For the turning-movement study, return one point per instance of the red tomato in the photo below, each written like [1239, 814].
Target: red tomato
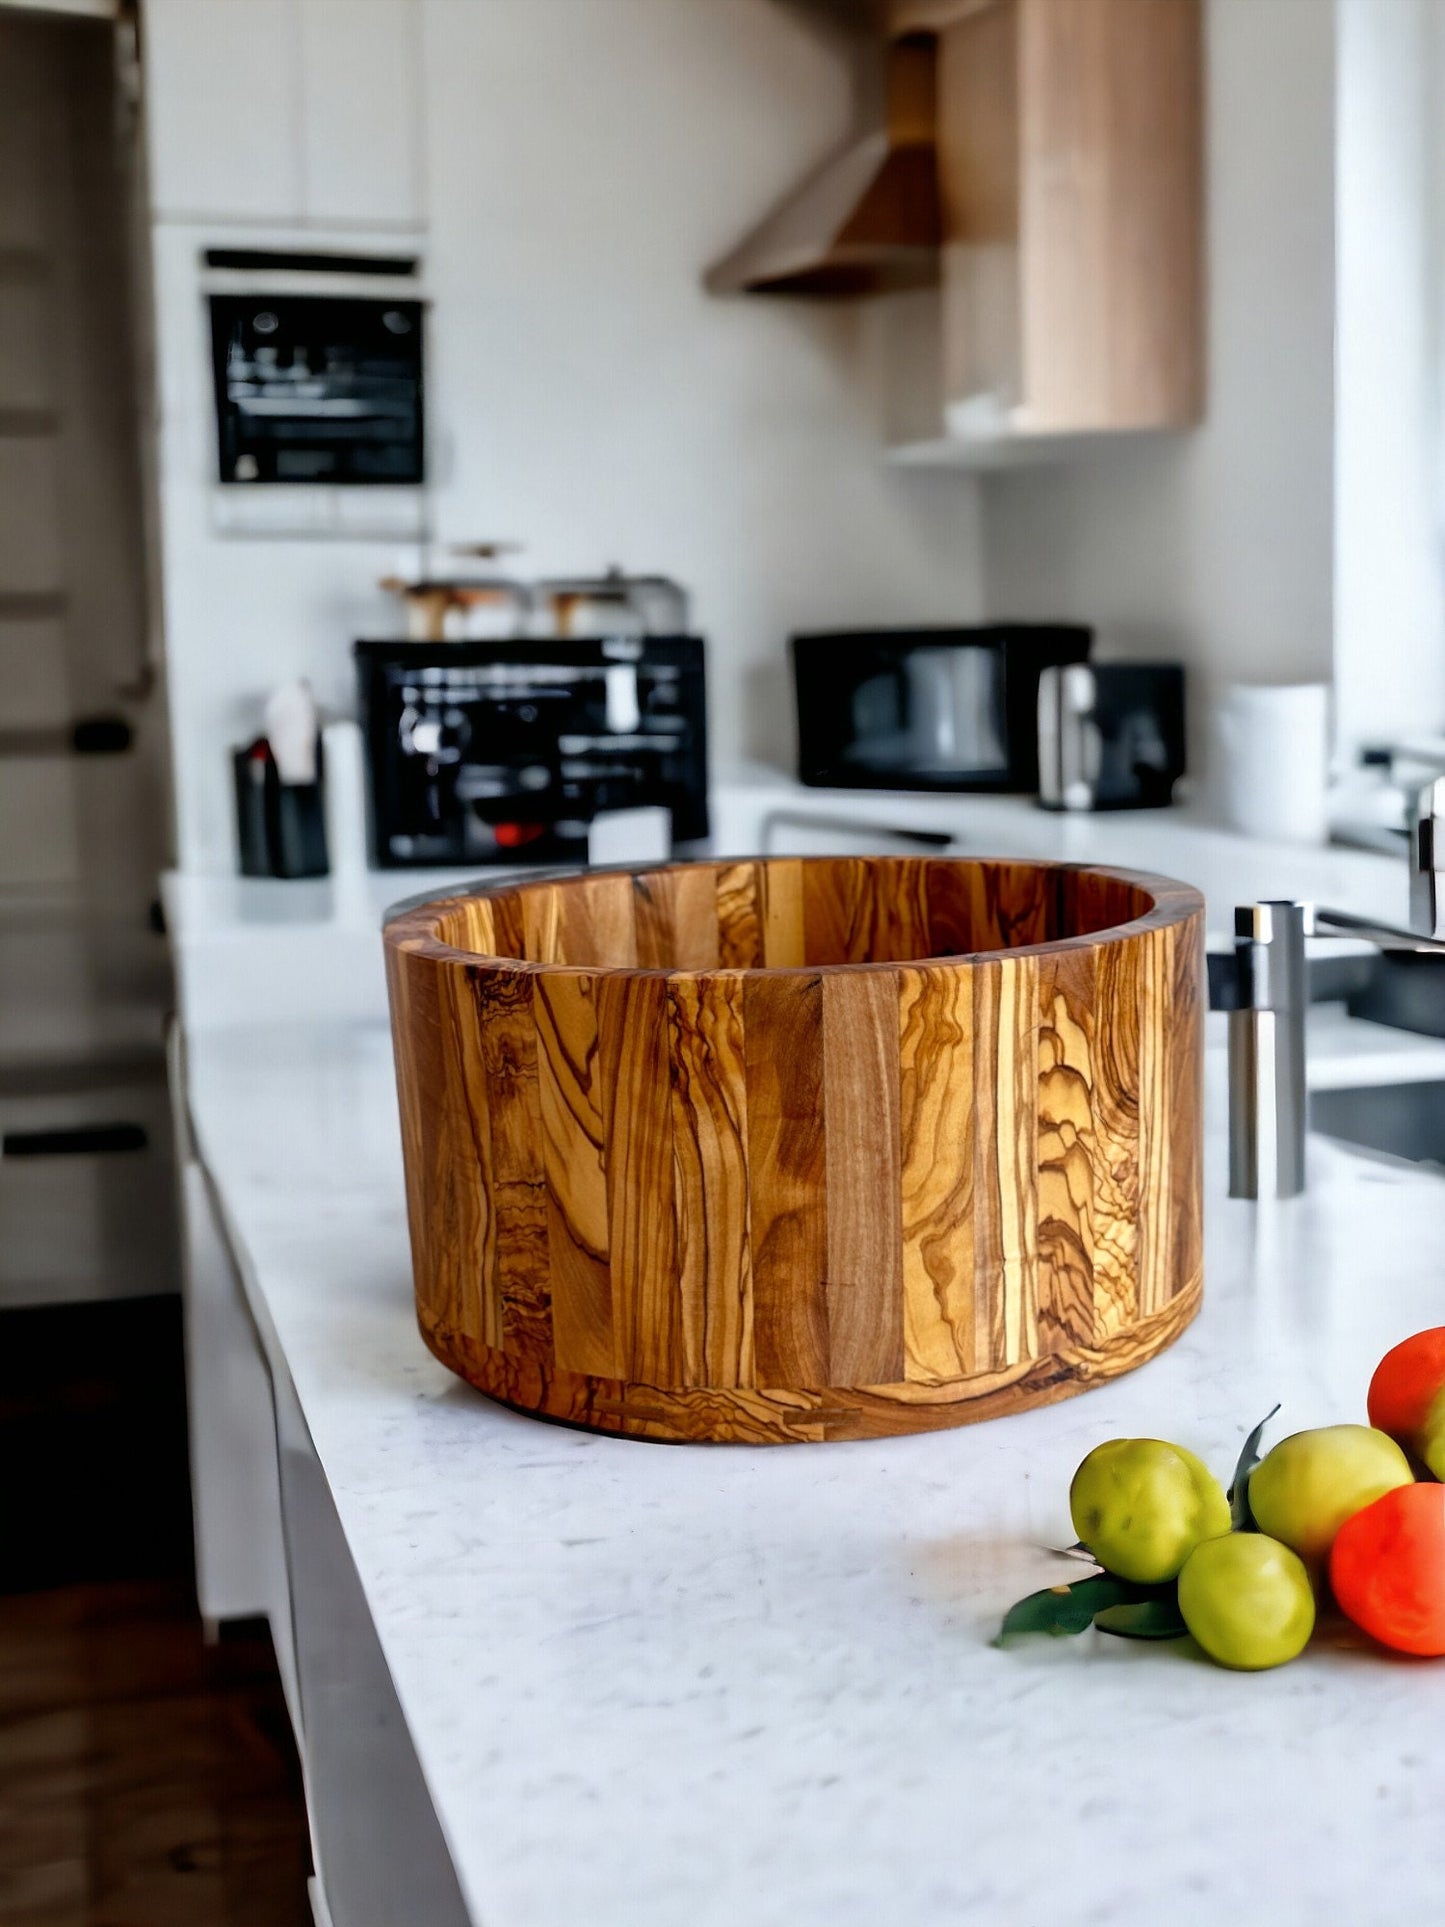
[1406, 1382]
[1387, 1568]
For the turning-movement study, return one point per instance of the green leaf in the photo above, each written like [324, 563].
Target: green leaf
[1157, 1618]
[1240, 1513]
[1064, 1609]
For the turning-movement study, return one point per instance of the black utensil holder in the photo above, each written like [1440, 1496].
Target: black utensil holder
[280, 827]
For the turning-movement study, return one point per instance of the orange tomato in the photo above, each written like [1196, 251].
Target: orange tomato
[1406, 1382]
[1387, 1568]
[1407, 1396]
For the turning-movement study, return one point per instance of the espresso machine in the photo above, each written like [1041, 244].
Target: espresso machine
[504, 751]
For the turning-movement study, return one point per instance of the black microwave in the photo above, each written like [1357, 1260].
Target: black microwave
[926, 709]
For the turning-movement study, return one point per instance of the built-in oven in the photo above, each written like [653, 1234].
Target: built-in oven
[318, 388]
[318, 392]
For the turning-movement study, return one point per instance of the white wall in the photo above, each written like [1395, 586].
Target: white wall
[586, 162]
[1389, 617]
[583, 161]
[1216, 546]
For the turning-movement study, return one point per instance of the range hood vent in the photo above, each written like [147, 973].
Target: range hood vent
[867, 221]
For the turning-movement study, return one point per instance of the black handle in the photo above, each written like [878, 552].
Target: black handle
[74, 1141]
[86, 736]
[1226, 981]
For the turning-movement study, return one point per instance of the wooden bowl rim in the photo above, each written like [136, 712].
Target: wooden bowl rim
[410, 924]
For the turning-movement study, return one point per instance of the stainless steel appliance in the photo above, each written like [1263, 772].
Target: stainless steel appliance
[504, 752]
[1111, 735]
[613, 604]
[930, 709]
[462, 608]
[1267, 983]
[446, 607]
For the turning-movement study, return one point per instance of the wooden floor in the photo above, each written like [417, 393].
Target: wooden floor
[146, 1780]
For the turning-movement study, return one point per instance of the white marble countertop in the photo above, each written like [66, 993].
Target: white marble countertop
[686, 1686]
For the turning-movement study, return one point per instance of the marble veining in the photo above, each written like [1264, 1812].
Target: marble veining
[664, 1685]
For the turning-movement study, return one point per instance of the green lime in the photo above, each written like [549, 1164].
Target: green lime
[1141, 1506]
[1304, 1490]
[1247, 1599]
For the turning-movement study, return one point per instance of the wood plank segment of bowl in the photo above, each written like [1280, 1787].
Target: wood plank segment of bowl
[801, 1148]
[938, 1130]
[787, 1220]
[633, 1032]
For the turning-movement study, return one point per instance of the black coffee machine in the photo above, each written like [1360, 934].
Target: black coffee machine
[504, 752]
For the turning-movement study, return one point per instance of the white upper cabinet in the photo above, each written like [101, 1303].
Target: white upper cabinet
[361, 110]
[223, 108]
[284, 110]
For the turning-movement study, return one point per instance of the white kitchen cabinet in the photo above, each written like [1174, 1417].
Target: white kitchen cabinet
[361, 110]
[235, 1488]
[284, 111]
[223, 108]
[269, 1542]
[240, 1561]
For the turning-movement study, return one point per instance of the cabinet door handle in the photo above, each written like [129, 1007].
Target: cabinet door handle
[79, 1140]
[86, 736]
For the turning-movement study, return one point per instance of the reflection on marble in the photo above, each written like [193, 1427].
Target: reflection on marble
[686, 1686]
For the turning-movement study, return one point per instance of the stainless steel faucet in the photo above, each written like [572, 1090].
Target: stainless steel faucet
[1264, 985]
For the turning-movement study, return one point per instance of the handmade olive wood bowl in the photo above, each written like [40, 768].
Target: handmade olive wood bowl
[801, 1148]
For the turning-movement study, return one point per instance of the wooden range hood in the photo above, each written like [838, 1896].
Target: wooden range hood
[868, 220]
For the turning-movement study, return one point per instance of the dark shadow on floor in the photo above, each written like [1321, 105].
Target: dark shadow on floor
[93, 1438]
[146, 1780]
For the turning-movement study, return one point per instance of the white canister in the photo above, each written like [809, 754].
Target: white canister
[344, 796]
[1270, 760]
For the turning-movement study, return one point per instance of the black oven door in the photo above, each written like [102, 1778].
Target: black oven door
[318, 388]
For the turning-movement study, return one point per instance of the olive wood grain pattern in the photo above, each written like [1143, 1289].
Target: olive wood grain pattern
[802, 1148]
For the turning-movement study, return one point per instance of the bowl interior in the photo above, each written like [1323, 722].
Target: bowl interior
[788, 913]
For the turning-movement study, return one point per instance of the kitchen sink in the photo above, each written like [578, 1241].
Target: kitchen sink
[1405, 989]
[1407, 1120]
